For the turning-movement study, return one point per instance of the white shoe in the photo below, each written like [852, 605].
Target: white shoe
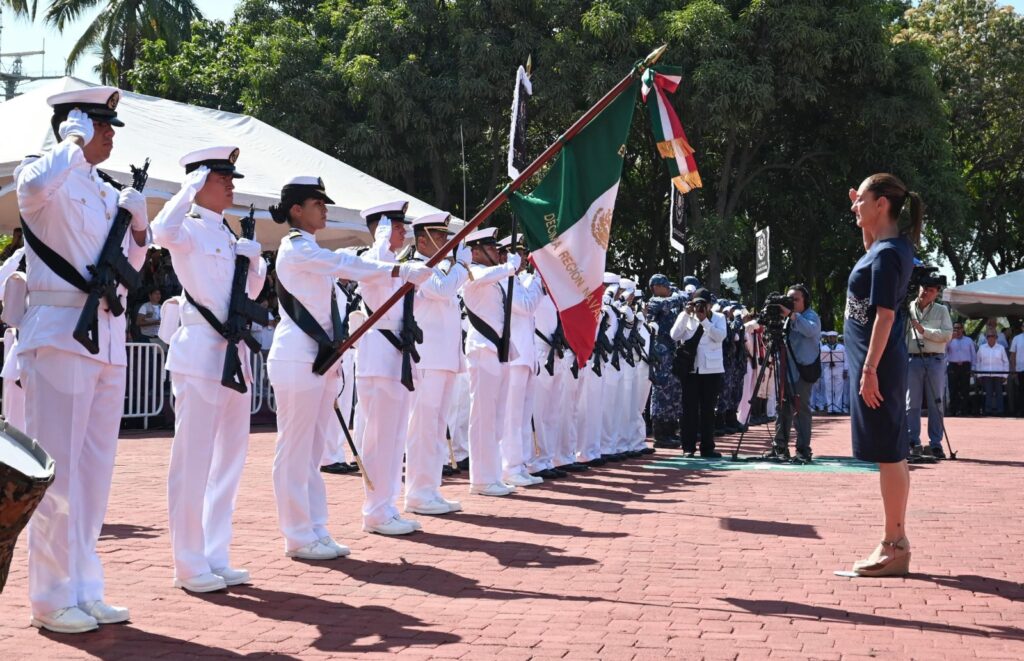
[66, 620]
[496, 489]
[390, 527]
[520, 480]
[104, 613]
[233, 576]
[436, 506]
[340, 549]
[208, 582]
[411, 522]
[313, 551]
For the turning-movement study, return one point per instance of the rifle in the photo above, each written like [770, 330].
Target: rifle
[242, 311]
[636, 343]
[110, 270]
[410, 335]
[619, 342]
[601, 346]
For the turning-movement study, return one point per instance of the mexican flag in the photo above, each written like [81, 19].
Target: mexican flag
[567, 219]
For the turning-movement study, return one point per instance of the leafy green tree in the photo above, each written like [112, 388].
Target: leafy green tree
[978, 49]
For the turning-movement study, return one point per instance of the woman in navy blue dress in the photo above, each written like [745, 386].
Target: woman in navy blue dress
[890, 218]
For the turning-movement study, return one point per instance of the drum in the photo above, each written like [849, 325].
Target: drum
[26, 471]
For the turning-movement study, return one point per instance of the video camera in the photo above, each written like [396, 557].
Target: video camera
[924, 275]
[770, 316]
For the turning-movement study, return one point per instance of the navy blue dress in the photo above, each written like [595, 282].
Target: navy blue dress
[880, 278]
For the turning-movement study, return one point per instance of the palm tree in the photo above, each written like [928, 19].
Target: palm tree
[21, 7]
[116, 34]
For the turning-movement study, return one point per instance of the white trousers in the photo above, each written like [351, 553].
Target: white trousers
[385, 408]
[211, 437]
[610, 408]
[517, 436]
[548, 417]
[305, 420]
[641, 391]
[14, 394]
[458, 416]
[488, 386]
[569, 406]
[426, 448]
[625, 420]
[73, 407]
[589, 414]
[336, 447]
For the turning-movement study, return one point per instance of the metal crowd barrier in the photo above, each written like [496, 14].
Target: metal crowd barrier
[144, 383]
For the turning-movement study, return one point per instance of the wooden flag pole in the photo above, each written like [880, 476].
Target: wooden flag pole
[503, 196]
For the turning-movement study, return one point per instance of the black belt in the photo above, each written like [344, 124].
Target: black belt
[925, 355]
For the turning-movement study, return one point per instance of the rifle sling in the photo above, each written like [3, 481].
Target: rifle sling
[304, 319]
[53, 261]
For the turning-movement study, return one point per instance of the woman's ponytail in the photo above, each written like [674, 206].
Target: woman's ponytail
[915, 223]
[279, 214]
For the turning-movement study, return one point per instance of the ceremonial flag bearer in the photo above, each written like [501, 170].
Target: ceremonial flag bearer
[211, 420]
[73, 398]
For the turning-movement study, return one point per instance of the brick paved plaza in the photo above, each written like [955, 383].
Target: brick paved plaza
[645, 559]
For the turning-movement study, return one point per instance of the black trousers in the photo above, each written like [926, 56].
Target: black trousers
[959, 376]
[700, 396]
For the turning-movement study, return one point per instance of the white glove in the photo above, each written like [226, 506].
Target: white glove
[464, 254]
[383, 232]
[248, 248]
[77, 123]
[134, 203]
[415, 272]
[515, 260]
[195, 180]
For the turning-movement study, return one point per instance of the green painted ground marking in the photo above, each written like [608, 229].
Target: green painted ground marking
[819, 465]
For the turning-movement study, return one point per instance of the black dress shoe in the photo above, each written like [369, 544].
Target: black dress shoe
[337, 468]
[463, 464]
[448, 471]
[647, 450]
[593, 463]
[353, 467]
[558, 472]
[710, 455]
[574, 468]
[690, 454]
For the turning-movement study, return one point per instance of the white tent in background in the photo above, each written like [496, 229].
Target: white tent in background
[163, 131]
[1001, 296]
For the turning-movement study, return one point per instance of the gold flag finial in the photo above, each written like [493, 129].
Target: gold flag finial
[655, 55]
[529, 65]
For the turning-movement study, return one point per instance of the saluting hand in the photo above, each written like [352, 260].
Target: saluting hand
[196, 179]
[77, 124]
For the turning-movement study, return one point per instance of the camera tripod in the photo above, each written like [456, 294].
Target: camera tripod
[933, 398]
[775, 358]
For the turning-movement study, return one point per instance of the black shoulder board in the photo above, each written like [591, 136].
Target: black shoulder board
[294, 233]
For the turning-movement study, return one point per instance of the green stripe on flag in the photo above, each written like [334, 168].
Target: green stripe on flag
[588, 165]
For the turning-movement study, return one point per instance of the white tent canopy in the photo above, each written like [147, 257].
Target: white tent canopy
[163, 131]
[1001, 296]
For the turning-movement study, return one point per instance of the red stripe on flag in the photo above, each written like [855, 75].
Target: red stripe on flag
[579, 323]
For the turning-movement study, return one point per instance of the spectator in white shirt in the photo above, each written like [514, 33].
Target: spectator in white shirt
[148, 318]
[992, 326]
[992, 366]
[1017, 367]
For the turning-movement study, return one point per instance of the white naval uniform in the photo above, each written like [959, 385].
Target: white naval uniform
[641, 388]
[611, 381]
[625, 424]
[73, 399]
[337, 444]
[458, 408]
[441, 359]
[589, 411]
[211, 421]
[517, 435]
[548, 414]
[305, 400]
[14, 394]
[383, 400]
[568, 399]
[488, 378]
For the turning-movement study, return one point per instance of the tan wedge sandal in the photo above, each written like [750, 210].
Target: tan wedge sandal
[891, 559]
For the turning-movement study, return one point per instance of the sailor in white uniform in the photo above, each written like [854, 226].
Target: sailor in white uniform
[483, 297]
[211, 417]
[73, 397]
[441, 359]
[14, 293]
[310, 327]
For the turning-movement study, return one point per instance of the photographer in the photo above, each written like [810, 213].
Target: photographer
[802, 334]
[701, 331]
[929, 330]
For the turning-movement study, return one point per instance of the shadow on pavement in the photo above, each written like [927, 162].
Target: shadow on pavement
[533, 526]
[342, 627]
[775, 528]
[980, 584]
[508, 553]
[798, 611]
[128, 531]
[117, 641]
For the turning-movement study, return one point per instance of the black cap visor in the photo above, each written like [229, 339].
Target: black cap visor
[221, 165]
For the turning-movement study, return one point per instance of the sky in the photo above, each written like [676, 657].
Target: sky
[21, 35]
